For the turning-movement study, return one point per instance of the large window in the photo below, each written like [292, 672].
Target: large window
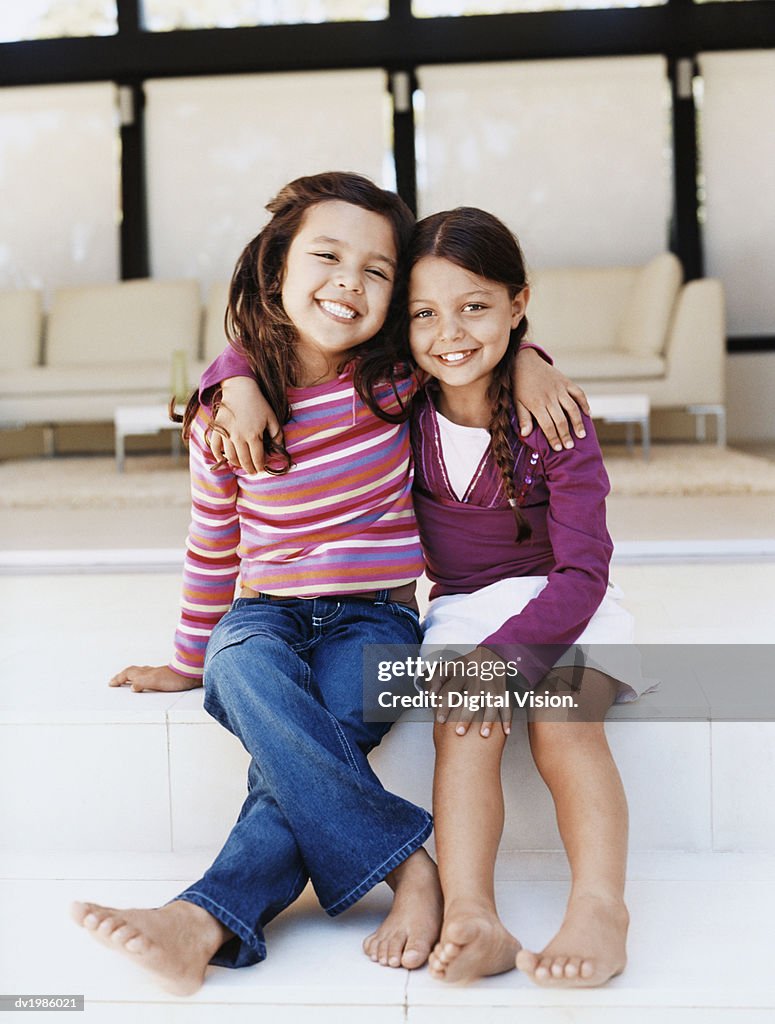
[219, 148]
[574, 155]
[50, 19]
[59, 178]
[165, 15]
[737, 134]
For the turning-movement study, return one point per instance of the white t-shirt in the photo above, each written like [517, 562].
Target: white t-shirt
[463, 448]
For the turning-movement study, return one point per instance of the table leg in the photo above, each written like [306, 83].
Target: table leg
[120, 450]
[645, 437]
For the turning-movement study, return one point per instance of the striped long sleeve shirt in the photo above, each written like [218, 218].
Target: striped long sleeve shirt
[341, 520]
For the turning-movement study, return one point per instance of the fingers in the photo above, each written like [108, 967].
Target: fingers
[255, 454]
[243, 455]
[505, 716]
[215, 440]
[489, 717]
[573, 413]
[524, 418]
[464, 719]
[131, 675]
[548, 427]
[579, 395]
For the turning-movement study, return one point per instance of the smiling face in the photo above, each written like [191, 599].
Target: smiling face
[337, 284]
[460, 322]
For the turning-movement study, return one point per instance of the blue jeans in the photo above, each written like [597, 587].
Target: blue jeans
[286, 677]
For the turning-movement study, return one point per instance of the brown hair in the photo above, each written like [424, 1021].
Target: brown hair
[258, 326]
[480, 243]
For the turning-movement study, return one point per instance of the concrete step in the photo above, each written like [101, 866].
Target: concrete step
[699, 948]
[86, 767]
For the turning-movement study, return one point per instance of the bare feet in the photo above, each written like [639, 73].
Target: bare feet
[588, 950]
[474, 944]
[175, 942]
[405, 937]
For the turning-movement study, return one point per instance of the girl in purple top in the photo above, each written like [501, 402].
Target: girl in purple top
[516, 544]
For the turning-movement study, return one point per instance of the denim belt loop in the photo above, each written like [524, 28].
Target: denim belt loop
[383, 596]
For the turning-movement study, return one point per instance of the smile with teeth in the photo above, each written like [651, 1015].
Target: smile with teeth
[454, 357]
[338, 309]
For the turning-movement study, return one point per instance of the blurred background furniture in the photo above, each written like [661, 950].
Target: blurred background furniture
[618, 330]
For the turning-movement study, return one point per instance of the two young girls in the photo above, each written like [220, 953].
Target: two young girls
[327, 553]
[515, 541]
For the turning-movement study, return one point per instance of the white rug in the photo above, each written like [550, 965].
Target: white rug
[92, 482]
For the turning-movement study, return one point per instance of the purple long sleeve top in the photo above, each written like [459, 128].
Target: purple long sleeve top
[470, 544]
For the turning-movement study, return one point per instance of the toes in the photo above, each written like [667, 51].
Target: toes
[543, 968]
[395, 948]
[557, 970]
[137, 944]
[573, 967]
[108, 926]
[122, 934]
[368, 946]
[587, 969]
[88, 914]
[415, 954]
[526, 961]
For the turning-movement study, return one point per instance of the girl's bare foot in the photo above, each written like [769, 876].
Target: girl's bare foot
[474, 944]
[405, 937]
[589, 948]
[175, 942]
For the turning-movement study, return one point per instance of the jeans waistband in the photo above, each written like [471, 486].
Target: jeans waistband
[405, 594]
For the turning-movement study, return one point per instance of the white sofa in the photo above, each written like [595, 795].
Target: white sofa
[615, 330]
[101, 346]
[620, 330]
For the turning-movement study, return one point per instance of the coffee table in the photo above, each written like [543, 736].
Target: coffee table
[629, 409]
[142, 419]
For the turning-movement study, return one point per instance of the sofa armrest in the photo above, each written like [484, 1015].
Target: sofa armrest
[696, 345]
[21, 327]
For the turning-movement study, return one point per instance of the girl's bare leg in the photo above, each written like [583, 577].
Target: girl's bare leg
[468, 814]
[576, 764]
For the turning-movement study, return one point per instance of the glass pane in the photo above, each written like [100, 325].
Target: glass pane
[60, 161]
[453, 8]
[573, 154]
[218, 148]
[166, 15]
[737, 145]
[51, 19]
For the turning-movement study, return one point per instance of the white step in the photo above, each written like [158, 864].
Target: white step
[89, 767]
[699, 949]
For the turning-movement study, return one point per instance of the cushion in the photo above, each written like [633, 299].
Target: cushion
[21, 326]
[585, 366]
[81, 380]
[118, 323]
[644, 327]
[214, 334]
[579, 307]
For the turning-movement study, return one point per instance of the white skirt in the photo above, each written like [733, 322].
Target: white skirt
[608, 640]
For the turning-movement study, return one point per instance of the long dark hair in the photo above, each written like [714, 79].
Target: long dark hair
[480, 243]
[258, 326]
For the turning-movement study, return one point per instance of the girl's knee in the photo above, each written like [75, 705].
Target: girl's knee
[550, 739]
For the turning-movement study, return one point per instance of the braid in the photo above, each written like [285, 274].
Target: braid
[500, 440]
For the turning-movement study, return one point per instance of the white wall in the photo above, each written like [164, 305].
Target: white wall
[751, 396]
